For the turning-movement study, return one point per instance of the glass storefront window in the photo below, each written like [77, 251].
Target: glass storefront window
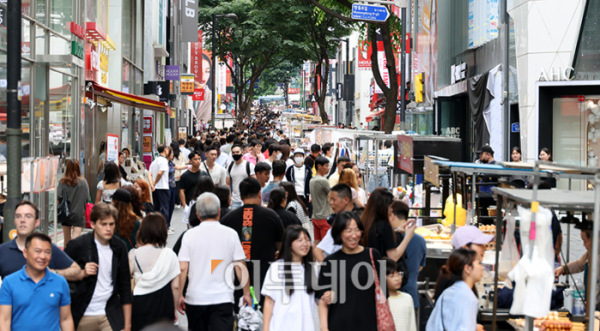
[586, 65]
[420, 122]
[59, 45]
[569, 136]
[61, 117]
[40, 40]
[139, 32]
[25, 107]
[127, 22]
[126, 75]
[26, 7]
[61, 12]
[40, 11]
[26, 38]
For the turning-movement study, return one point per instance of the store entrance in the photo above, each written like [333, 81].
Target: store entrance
[453, 119]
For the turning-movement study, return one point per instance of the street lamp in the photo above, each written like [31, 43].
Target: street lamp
[212, 67]
[347, 41]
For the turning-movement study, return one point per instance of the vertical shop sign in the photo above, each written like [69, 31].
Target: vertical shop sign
[222, 77]
[172, 72]
[364, 55]
[189, 21]
[187, 84]
[196, 49]
[112, 147]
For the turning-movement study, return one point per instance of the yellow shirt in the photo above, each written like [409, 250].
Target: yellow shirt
[334, 179]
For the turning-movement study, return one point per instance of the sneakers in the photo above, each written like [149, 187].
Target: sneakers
[171, 231]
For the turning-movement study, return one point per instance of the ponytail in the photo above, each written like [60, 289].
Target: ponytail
[452, 271]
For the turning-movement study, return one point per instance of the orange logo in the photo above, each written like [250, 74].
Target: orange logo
[214, 264]
[12, 234]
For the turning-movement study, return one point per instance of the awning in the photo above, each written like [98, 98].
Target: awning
[379, 113]
[127, 99]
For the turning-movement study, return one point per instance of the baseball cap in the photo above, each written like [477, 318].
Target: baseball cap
[487, 149]
[470, 235]
[122, 195]
[298, 151]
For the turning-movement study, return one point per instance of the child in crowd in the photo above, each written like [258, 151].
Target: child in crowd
[401, 304]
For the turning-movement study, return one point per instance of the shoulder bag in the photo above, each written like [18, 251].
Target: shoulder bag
[62, 210]
[385, 321]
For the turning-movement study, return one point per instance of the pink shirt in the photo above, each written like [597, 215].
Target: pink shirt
[249, 158]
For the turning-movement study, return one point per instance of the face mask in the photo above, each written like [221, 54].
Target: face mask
[299, 160]
[279, 156]
[237, 157]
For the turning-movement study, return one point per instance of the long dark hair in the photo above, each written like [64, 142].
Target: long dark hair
[111, 173]
[205, 184]
[452, 271]
[136, 200]
[376, 210]
[199, 146]
[276, 197]
[175, 148]
[292, 233]
[292, 195]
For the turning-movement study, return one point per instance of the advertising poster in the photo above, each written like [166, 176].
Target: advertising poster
[202, 107]
[182, 132]
[112, 147]
[364, 55]
[426, 62]
[405, 153]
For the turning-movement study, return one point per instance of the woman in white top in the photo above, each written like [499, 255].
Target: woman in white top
[288, 285]
[155, 270]
[461, 272]
[112, 181]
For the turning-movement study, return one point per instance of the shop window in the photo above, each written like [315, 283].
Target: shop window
[25, 108]
[59, 45]
[569, 135]
[40, 40]
[40, 11]
[587, 63]
[60, 110]
[139, 32]
[61, 12]
[126, 29]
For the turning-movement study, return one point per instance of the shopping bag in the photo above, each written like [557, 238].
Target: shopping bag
[509, 255]
[88, 212]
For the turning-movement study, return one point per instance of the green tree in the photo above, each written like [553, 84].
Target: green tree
[389, 31]
[265, 34]
[284, 73]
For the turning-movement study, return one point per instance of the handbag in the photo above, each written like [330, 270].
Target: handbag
[62, 210]
[88, 212]
[385, 320]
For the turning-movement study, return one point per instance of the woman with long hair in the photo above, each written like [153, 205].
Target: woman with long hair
[348, 177]
[122, 157]
[379, 233]
[112, 181]
[288, 286]
[515, 154]
[155, 269]
[136, 201]
[143, 189]
[74, 188]
[199, 148]
[516, 180]
[362, 195]
[181, 162]
[278, 202]
[127, 224]
[358, 311]
[461, 271]
[205, 184]
[296, 206]
[546, 155]
[285, 155]
[224, 194]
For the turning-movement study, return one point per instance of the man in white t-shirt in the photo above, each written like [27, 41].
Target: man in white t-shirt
[236, 172]
[274, 154]
[214, 170]
[206, 255]
[158, 177]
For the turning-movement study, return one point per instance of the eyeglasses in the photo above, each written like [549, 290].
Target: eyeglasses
[28, 217]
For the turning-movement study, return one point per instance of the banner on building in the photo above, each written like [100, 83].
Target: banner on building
[112, 147]
[293, 90]
[483, 22]
[364, 55]
[187, 84]
[196, 58]
[189, 21]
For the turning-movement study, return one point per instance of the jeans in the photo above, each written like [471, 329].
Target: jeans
[379, 180]
[236, 204]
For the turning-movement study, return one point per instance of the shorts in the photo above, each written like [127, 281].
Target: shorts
[320, 227]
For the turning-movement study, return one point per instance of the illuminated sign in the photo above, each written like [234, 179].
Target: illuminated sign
[77, 49]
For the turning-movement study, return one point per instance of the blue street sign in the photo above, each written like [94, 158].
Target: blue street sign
[370, 12]
[255, 85]
[515, 127]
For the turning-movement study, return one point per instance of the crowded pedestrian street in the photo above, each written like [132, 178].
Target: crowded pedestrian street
[299, 165]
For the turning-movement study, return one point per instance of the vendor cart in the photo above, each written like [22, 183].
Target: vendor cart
[562, 200]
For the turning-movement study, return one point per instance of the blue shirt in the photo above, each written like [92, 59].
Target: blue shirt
[12, 259]
[35, 306]
[266, 192]
[416, 256]
[457, 306]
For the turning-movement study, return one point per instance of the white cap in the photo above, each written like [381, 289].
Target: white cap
[299, 151]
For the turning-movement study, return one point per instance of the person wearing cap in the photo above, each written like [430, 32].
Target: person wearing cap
[486, 156]
[127, 224]
[300, 175]
[471, 237]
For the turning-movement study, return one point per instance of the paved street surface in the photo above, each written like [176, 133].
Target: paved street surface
[180, 228]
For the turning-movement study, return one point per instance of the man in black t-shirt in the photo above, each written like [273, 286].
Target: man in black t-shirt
[189, 179]
[260, 231]
[315, 150]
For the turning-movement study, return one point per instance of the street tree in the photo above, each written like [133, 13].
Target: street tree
[389, 31]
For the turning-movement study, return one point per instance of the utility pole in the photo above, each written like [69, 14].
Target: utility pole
[13, 117]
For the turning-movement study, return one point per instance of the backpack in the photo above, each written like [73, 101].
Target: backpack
[247, 168]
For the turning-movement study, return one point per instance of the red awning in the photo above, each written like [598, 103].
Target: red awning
[127, 99]
[379, 113]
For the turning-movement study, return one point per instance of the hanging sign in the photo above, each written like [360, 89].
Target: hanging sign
[187, 84]
[112, 147]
